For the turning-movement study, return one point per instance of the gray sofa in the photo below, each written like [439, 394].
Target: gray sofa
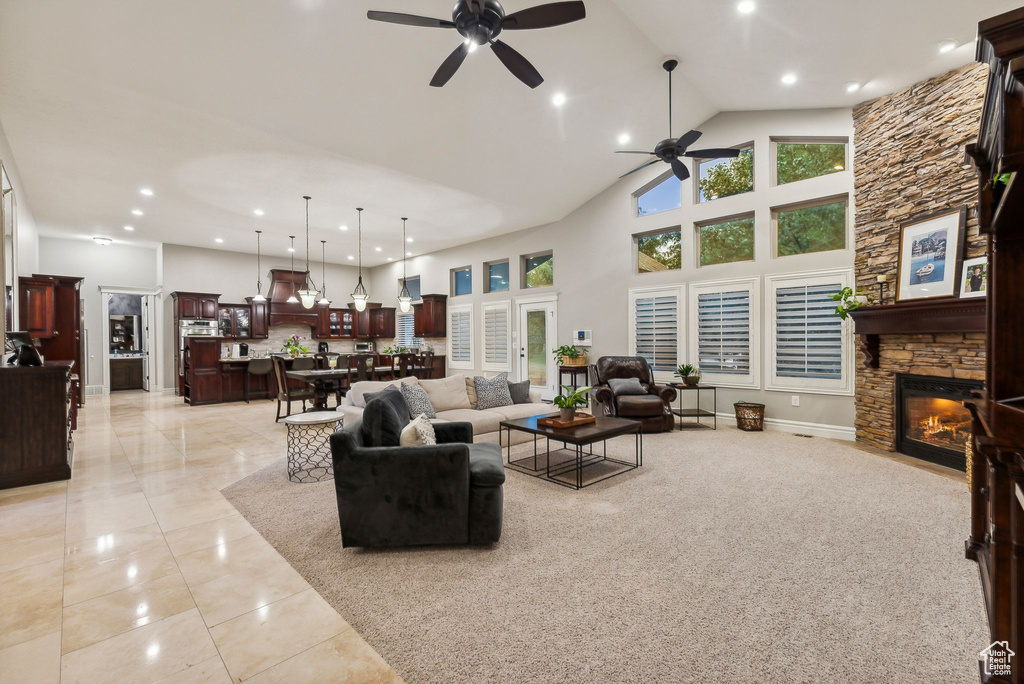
[389, 495]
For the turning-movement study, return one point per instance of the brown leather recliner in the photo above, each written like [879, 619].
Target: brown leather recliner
[653, 410]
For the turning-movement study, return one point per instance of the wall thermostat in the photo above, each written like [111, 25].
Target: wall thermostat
[583, 338]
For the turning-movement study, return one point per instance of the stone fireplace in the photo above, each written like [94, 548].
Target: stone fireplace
[932, 422]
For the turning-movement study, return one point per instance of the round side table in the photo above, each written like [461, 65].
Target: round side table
[309, 445]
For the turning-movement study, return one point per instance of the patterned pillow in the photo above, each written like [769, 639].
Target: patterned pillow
[520, 392]
[492, 392]
[419, 432]
[417, 400]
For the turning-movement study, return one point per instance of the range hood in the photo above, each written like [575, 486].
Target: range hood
[284, 282]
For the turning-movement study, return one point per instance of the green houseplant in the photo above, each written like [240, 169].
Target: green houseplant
[293, 345]
[570, 355]
[689, 374]
[568, 402]
[848, 301]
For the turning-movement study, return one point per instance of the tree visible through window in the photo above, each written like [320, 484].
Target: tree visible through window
[818, 228]
[659, 252]
[727, 241]
[799, 161]
[539, 271]
[726, 176]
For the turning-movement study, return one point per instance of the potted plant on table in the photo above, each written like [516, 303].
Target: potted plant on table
[570, 355]
[293, 345]
[568, 402]
[689, 374]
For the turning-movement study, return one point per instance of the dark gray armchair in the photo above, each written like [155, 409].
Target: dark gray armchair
[448, 493]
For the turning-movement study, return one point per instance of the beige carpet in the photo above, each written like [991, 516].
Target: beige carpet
[729, 557]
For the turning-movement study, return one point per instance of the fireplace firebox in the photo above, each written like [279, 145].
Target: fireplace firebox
[932, 422]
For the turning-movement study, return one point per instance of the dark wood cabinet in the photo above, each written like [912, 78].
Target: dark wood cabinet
[235, 321]
[202, 371]
[208, 308]
[36, 417]
[126, 374]
[232, 381]
[430, 316]
[382, 323]
[195, 305]
[362, 328]
[62, 298]
[37, 306]
[259, 314]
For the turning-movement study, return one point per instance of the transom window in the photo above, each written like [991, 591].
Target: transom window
[817, 226]
[665, 194]
[462, 281]
[413, 283]
[726, 240]
[799, 159]
[725, 176]
[660, 251]
[538, 270]
[496, 276]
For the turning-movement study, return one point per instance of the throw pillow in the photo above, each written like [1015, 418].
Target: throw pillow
[417, 401]
[355, 395]
[621, 386]
[470, 392]
[380, 427]
[447, 394]
[520, 392]
[418, 432]
[492, 392]
[394, 397]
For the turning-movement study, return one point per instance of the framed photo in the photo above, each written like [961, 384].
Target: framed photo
[930, 255]
[974, 281]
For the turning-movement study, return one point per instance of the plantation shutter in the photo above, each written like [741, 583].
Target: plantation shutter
[656, 330]
[808, 334]
[723, 332]
[405, 331]
[460, 349]
[496, 337]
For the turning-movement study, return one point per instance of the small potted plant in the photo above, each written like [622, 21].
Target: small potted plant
[999, 183]
[570, 355]
[848, 301]
[689, 374]
[293, 345]
[568, 402]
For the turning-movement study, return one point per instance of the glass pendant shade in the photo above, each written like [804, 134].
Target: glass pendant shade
[308, 298]
[404, 299]
[359, 295]
[259, 298]
[292, 300]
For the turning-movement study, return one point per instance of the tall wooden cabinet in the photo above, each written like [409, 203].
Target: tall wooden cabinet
[51, 310]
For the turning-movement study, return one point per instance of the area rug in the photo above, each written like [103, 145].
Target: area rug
[728, 557]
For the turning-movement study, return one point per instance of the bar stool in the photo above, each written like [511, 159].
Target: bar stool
[258, 367]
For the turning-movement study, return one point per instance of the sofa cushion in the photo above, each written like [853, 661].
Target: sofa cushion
[483, 421]
[417, 401]
[522, 410]
[447, 393]
[419, 432]
[470, 391]
[486, 468]
[520, 392]
[624, 386]
[381, 426]
[394, 397]
[639, 405]
[491, 392]
[356, 393]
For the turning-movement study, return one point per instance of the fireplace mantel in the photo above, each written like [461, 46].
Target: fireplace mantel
[950, 315]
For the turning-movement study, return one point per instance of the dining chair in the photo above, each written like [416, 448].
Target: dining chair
[426, 364]
[361, 368]
[289, 394]
[259, 368]
[403, 365]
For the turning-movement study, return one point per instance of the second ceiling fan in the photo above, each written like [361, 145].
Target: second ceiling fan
[671, 149]
[479, 22]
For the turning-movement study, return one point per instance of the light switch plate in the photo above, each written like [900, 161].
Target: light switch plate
[795, 399]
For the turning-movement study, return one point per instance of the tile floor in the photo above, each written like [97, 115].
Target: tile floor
[139, 570]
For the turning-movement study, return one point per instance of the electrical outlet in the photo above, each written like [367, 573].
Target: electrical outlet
[795, 398]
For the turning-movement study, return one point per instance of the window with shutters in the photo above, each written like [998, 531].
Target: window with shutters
[404, 335]
[497, 337]
[808, 345]
[460, 337]
[724, 331]
[654, 328]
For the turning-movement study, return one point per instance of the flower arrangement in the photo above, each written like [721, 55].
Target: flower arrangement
[293, 345]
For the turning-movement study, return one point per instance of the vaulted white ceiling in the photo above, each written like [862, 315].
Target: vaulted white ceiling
[225, 106]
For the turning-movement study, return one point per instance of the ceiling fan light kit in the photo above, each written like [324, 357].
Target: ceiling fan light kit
[479, 22]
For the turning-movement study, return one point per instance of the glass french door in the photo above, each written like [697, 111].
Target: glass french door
[537, 336]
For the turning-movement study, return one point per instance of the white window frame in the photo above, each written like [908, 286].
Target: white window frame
[773, 153]
[714, 222]
[506, 306]
[650, 233]
[751, 380]
[808, 204]
[679, 291]
[451, 281]
[697, 161]
[487, 275]
[843, 277]
[452, 363]
[637, 194]
[522, 269]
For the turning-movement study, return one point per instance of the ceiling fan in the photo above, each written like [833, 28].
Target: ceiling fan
[480, 22]
[671, 149]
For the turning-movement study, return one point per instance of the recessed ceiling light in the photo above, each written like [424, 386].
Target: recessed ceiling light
[218, 240]
[102, 241]
[947, 46]
[343, 227]
[558, 100]
[746, 7]
[378, 249]
[408, 254]
[390, 259]
[408, 239]
[789, 79]
[291, 249]
[258, 212]
[852, 87]
[129, 228]
[137, 212]
[146, 191]
[350, 257]
[623, 138]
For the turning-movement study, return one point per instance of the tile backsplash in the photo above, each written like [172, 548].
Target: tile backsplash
[279, 333]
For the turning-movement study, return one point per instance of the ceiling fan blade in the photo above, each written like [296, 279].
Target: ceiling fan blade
[686, 140]
[517, 64]
[449, 66]
[632, 152]
[714, 153]
[545, 16]
[408, 19]
[680, 170]
[642, 166]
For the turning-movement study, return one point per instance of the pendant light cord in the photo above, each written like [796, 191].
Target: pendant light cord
[323, 265]
[403, 251]
[259, 270]
[670, 104]
[360, 241]
[292, 253]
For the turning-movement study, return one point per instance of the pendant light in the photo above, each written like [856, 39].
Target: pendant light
[259, 272]
[404, 298]
[291, 250]
[308, 293]
[324, 301]
[360, 295]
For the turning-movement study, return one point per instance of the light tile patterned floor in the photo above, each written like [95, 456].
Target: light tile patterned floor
[139, 570]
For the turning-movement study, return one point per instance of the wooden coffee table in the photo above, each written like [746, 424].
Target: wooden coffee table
[582, 454]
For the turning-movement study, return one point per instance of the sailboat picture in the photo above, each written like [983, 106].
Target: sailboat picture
[930, 255]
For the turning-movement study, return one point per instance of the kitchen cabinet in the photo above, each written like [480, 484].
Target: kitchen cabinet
[430, 316]
[202, 371]
[361, 325]
[37, 306]
[235, 321]
[232, 381]
[126, 373]
[195, 305]
[64, 318]
[36, 418]
[335, 323]
[259, 314]
[382, 323]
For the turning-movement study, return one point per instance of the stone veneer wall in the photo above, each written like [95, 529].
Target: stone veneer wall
[909, 161]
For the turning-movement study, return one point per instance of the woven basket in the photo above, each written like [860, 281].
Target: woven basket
[580, 360]
[749, 416]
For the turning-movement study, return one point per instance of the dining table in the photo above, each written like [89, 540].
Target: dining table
[326, 381]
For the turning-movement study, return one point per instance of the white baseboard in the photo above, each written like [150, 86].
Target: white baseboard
[798, 427]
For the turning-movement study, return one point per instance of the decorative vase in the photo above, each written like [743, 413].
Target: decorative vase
[692, 380]
[567, 414]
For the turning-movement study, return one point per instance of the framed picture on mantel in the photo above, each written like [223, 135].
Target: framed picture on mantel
[930, 257]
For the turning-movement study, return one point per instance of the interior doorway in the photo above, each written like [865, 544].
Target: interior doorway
[129, 340]
[538, 332]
